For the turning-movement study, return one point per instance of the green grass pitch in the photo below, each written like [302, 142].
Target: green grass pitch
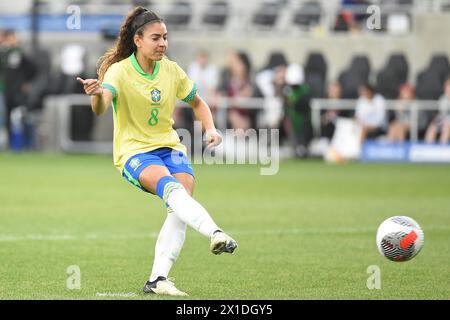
[306, 233]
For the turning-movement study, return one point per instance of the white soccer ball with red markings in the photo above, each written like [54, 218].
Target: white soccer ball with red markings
[399, 238]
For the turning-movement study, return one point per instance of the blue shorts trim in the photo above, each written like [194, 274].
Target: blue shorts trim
[175, 161]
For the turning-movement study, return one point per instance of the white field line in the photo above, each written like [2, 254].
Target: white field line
[152, 235]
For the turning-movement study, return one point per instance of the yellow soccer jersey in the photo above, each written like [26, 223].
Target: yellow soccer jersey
[143, 106]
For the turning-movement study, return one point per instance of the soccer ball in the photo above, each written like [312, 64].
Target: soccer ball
[399, 238]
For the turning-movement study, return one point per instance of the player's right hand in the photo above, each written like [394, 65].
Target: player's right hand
[92, 87]
[213, 138]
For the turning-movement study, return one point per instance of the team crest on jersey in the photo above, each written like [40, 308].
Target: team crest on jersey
[156, 95]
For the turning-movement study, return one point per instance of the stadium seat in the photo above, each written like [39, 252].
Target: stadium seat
[315, 63]
[216, 13]
[308, 15]
[431, 80]
[360, 65]
[429, 85]
[350, 84]
[276, 58]
[388, 83]
[398, 63]
[266, 14]
[179, 15]
[316, 84]
[440, 65]
[316, 74]
[392, 76]
[356, 75]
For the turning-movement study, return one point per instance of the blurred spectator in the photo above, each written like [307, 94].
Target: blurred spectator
[400, 125]
[205, 75]
[329, 116]
[269, 84]
[297, 97]
[236, 83]
[345, 22]
[370, 112]
[352, 15]
[441, 121]
[19, 71]
[269, 79]
[72, 64]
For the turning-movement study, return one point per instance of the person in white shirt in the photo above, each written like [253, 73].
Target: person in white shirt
[205, 75]
[370, 111]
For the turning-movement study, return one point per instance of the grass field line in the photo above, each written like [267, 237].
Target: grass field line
[150, 235]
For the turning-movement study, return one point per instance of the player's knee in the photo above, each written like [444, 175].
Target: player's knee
[166, 185]
[150, 177]
[187, 181]
[189, 186]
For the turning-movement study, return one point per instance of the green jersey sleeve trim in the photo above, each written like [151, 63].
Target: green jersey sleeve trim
[191, 95]
[110, 88]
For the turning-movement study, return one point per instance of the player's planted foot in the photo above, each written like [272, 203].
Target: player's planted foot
[221, 242]
[163, 286]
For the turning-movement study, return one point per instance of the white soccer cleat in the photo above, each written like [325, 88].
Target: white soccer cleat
[163, 286]
[221, 242]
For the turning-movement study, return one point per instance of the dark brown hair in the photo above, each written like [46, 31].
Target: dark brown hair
[124, 47]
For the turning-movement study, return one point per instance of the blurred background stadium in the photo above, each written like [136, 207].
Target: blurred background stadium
[300, 66]
[242, 50]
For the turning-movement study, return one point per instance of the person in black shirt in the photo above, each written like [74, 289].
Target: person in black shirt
[18, 73]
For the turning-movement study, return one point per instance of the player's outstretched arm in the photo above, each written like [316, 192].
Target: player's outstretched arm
[100, 98]
[203, 114]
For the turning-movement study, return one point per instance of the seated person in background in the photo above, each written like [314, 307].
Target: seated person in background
[400, 125]
[297, 110]
[205, 75]
[370, 112]
[18, 71]
[329, 116]
[441, 121]
[269, 84]
[236, 83]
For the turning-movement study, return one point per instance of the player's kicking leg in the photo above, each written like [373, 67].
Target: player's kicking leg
[171, 237]
[186, 208]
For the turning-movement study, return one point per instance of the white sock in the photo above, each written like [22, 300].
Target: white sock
[191, 212]
[168, 246]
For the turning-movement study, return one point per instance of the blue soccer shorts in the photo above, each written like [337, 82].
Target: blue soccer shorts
[175, 161]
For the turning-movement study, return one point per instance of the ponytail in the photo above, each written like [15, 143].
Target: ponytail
[124, 47]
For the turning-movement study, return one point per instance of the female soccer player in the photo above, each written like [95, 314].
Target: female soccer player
[142, 85]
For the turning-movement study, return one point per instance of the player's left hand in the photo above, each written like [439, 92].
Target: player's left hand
[213, 138]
